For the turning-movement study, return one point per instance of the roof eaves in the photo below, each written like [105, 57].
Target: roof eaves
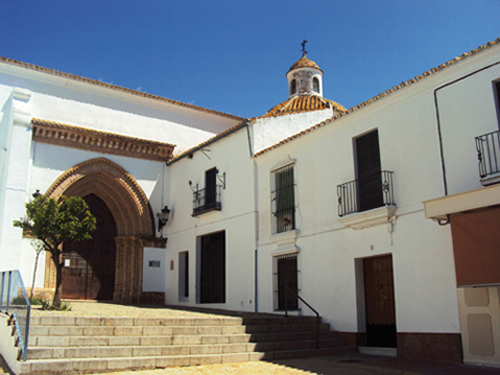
[114, 87]
[384, 94]
[215, 138]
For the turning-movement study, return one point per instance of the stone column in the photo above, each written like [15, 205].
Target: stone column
[128, 272]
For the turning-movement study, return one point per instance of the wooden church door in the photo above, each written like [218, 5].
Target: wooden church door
[89, 266]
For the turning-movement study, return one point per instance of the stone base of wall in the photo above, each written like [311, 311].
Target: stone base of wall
[42, 293]
[443, 347]
[152, 298]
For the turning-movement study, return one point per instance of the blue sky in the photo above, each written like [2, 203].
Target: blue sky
[232, 56]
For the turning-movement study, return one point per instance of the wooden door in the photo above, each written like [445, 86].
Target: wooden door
[213, 269]
[369, 173]
[89, 266]
[379, 297]
[287, 282]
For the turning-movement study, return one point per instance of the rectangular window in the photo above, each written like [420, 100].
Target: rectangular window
[283, 200]
[369, 172]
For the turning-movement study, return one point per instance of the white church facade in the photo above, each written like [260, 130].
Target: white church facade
[381, 216]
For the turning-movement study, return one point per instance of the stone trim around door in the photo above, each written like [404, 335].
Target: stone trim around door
[132, 214]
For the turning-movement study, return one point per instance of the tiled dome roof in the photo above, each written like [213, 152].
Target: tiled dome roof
[304, 103]
[304, 62]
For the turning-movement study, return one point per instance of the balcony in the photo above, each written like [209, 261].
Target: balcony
[488, 154]
[367, 202]
[206, 200]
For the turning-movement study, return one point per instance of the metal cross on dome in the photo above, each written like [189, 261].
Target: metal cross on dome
[303, 44]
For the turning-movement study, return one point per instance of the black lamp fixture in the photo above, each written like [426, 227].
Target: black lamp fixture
[163, 217]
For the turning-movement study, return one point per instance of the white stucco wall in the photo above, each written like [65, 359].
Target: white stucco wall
[27, 166]
[231, 156]
[421, 250]
[268, 131]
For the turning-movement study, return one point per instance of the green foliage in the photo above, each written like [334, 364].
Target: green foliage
[64, 306]
[54, 222]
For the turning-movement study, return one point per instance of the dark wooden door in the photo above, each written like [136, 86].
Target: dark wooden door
[369, 173]
[210, 187]
[89, 266]
[379, 296]
[213, 269]
[287, 282]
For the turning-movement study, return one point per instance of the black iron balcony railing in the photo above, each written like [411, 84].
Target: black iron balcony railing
[376, 190]
[488, 153]
[208, 199]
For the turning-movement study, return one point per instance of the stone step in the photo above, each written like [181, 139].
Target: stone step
[39, 331]
[149, 321]
[126, 321]
[89, 365]
[173, 350]
[137, 351]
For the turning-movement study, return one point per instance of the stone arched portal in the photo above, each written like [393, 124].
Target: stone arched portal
[131, 212]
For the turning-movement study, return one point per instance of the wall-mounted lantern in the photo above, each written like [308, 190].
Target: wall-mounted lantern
[163, 217]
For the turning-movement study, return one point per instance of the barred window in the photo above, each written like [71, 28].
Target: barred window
[283, 200]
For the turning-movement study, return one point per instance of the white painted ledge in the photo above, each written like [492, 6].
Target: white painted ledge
[388, 352]
[371, 218]
[491, 179]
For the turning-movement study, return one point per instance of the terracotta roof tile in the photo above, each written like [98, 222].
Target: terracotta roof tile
[395, 88]
[303, 103]
[304, 62]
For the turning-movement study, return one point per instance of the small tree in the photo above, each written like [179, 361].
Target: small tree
[39, 247]
[53, 223]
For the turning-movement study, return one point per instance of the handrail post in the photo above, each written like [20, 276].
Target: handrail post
[318, 317]
[1, 291]
[8, 292]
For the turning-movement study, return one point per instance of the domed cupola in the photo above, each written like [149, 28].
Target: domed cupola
[305, 78]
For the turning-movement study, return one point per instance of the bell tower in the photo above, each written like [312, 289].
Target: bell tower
[305, 77]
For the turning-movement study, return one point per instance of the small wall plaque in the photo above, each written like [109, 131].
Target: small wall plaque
[154, 263]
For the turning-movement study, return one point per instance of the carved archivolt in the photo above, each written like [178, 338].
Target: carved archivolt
[115, 186]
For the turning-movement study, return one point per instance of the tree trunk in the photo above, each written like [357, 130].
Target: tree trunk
[58, 293]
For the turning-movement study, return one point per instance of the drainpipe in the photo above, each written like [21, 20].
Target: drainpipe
[438, 121]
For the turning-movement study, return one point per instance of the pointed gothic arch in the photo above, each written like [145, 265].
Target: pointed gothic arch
[130, 209]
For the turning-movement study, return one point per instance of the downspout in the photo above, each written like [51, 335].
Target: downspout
[440, 137]
[255, 187]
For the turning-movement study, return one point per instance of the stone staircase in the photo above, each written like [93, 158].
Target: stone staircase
[71, 344]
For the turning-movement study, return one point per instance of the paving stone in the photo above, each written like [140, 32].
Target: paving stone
[65, 331]
[163, 362]
[88, 321]
[124, 340]
[50, 320]
[85, 352]
[157, 331]
[98, 331]
[128, 331]
[176, 350]
[206, 349]
[87, 341]
[146, 351]
[155, 340]
[205, 359]
[148, 322]
[236, 357]
[107, 352]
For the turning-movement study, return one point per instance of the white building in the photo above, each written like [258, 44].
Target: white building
[350, 209]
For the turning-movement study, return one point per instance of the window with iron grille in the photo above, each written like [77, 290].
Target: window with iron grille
[283, 200]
